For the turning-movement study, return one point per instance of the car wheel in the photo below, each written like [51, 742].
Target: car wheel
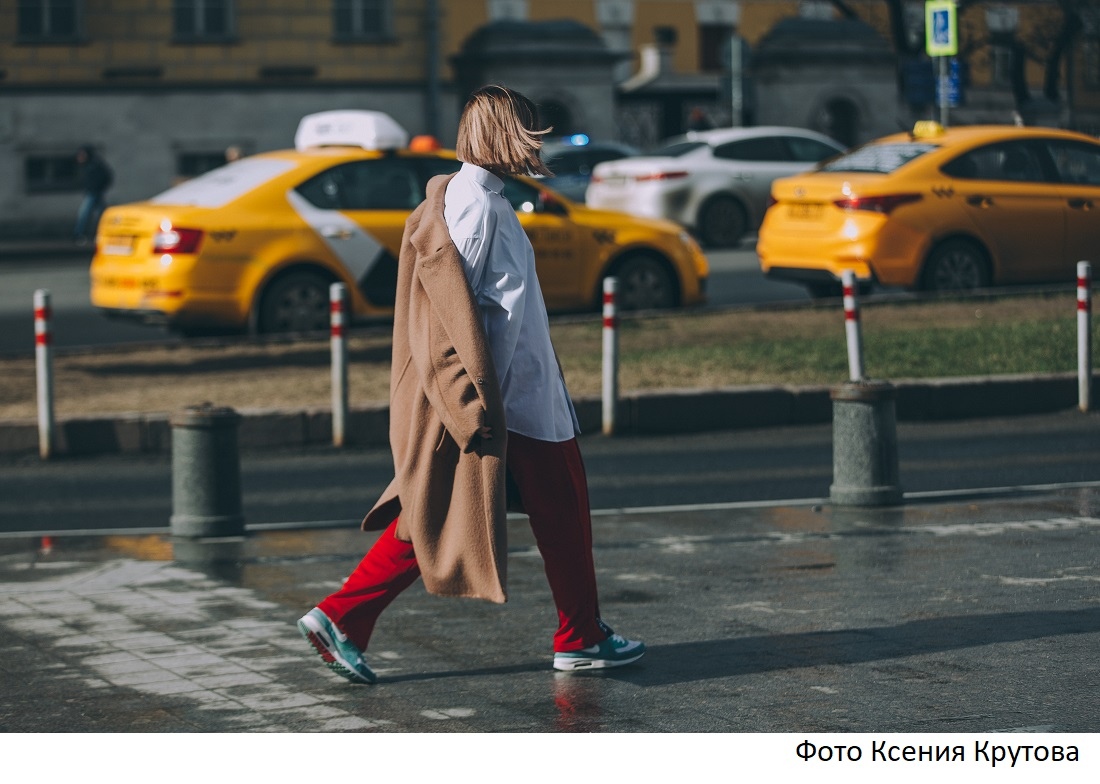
[956, 265]
[722, 222]
[645, 283]
[296, 302]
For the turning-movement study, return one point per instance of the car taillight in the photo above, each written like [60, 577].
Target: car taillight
[174, 240]
[660, 176]
[883, 204]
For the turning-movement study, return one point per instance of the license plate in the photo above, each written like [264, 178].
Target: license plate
[118, 246]
[804, 211]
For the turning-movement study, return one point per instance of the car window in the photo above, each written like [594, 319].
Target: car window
[1011, 162]
[678, 149]
[569, 163]
[878, 158]
[522, 197]
[580, 161]
[1076, 163]
[387, 184]
[764, 148]
[809, 150]
[430, 167]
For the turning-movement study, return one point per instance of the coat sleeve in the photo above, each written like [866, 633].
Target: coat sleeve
[448, 348]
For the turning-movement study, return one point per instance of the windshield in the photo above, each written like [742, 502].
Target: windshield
[219, 187]
[878, 158]
[678, 149]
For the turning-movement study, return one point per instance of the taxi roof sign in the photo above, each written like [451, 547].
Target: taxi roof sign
[926, 129]
[350, 128]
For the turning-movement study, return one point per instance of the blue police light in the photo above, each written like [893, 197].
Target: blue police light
[578, 139]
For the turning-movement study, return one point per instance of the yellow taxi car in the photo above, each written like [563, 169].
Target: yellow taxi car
[940, 209]
[256, 244]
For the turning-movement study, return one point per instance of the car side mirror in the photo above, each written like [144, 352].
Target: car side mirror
[550, 205]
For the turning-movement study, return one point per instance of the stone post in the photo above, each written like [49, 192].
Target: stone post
[206, 475]
[865, 448]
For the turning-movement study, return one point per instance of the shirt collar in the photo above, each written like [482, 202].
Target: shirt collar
[483, 177]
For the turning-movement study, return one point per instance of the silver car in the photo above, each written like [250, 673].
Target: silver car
[716, 183]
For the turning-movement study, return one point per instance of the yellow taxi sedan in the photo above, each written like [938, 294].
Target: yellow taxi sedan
[940, 209]
[256, 244]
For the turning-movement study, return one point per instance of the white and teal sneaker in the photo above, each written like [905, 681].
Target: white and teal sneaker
[615, 651]
[338, 652]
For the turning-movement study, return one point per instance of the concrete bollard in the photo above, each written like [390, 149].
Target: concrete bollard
[865, 447]
[206, 473]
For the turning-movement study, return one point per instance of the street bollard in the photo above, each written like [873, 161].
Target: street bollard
[851, 327]
[1084, 335]
[338, 306]
[610, 355]
[865, 449]
[206, 473]
[43, 355]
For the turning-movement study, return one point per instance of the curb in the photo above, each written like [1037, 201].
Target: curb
[662, 412]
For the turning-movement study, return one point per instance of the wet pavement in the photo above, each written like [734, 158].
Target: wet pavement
[950, 614]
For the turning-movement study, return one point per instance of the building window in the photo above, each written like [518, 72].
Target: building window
[203, 20]
[49, 20]
[1091, 61]
[1000, 65]
[362, 20]
[51, 173]
[192, 164]
[714, 47]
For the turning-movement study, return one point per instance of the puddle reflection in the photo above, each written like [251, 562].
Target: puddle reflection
[578, 702]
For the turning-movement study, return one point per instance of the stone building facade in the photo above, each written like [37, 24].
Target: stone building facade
[162, 87]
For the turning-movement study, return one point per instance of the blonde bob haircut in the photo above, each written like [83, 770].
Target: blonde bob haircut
[499, 131]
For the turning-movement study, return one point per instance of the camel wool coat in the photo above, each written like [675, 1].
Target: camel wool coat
[448, 493]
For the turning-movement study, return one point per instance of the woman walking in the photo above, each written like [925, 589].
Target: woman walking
[477, 402]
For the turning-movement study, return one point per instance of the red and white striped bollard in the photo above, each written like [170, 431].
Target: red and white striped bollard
[851, 326]
[610, 354]
[43, 353]
[1084, 335]
[338, 306]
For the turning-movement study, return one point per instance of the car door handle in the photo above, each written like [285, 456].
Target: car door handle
[336, 233]
[979, 201]
[1081, 204]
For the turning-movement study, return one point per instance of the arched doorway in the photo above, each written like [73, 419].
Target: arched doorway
[557, 115]
[839, 118]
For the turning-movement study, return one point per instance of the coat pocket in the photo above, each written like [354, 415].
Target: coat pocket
[444, 440]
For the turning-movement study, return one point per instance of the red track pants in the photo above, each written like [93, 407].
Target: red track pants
[554, 490]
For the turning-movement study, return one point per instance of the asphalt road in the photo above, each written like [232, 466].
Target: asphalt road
[735, 280]
[326, 485]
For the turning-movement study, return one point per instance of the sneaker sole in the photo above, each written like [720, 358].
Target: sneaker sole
[332, 660]
[570, 665]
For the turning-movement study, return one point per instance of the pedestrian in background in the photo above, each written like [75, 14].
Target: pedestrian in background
[96, 177]
[477, 403]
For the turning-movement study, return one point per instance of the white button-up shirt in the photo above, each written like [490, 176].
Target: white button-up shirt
[500, 265]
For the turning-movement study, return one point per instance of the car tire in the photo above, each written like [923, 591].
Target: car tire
[956, 265]
[721, 222]
[295, 302]
[645, 283]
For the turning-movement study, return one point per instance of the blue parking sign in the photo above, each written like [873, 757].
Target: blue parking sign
[940, 28]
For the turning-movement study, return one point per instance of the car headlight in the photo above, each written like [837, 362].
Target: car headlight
[688, 240]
